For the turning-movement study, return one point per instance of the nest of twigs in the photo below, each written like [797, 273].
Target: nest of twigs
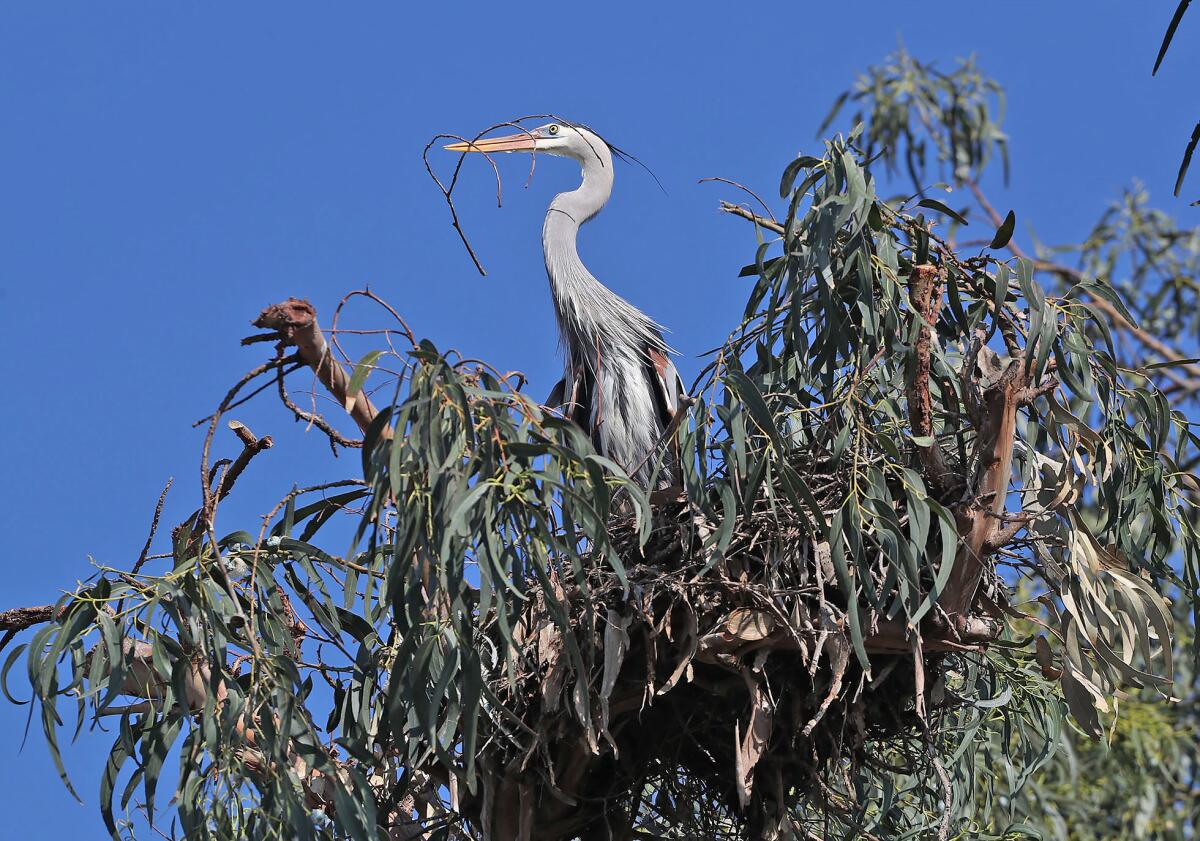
[727, 681]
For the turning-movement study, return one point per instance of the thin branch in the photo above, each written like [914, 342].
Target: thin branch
[336, 438]
[293, 361]
[145, 553]
[447, 192]
[369, 295]
[744, 189]
[738, 210]
[251, 446]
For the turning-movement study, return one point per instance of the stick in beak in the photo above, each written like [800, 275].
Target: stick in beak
[511, 143]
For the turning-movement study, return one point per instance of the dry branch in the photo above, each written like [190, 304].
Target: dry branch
[925, 292]
[251, 446]
[20, 618]
[761, 221]
[295, 321]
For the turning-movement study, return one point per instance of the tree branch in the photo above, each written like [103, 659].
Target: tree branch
[251, 446]
[925, 292]
[20, 618]
[295, 321]
[978, 514]
[761, 221]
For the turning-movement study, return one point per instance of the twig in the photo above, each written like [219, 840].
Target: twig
[448, 191]
[368, 294]
[130, 709]
[251, 446]
[744, 189]
[258, 338]
[335, 438]
[145, 553]
[293, 360]
[947, 790]
[738, 210]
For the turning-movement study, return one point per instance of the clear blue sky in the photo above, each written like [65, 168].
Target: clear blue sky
[167, 169]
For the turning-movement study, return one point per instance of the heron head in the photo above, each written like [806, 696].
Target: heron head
[557, 138]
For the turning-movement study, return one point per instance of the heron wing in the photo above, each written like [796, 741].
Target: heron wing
[668, 385]
[572, 403]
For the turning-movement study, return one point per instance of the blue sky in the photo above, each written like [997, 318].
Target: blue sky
[166, 170]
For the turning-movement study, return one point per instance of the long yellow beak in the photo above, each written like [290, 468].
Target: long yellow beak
[511, 143]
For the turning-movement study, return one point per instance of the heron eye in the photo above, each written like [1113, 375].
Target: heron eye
[553, 129]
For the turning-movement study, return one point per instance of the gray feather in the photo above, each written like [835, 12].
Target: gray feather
[606, 341]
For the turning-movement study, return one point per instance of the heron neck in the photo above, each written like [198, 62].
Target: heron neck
[570, 282]
[582, 204]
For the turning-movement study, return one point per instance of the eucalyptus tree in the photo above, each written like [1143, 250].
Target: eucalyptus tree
[1140, 781]
[934, 530]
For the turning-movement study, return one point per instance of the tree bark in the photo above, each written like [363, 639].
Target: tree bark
[296, 321]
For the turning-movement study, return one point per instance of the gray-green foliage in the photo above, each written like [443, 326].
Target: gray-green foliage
[1141, 779]
[918, 116]
[373, 677]
[1138, 781]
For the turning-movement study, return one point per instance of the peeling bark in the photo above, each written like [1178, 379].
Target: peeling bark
[980, 514]
[925, 292]
[296, 321]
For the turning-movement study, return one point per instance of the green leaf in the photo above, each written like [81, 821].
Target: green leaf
[361, 371]
[1171, 363]
[934, 204]
[1170, 34]
[756, 269]
[1005, 232]
[470, 693]
[1188, 151]
[121, 751]
[792, 170]
[8, 664]
[755, 404]
[1102, 289]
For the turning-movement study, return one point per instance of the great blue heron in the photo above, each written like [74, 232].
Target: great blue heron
[619, 383]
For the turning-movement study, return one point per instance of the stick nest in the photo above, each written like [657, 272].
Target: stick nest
[729, 681]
